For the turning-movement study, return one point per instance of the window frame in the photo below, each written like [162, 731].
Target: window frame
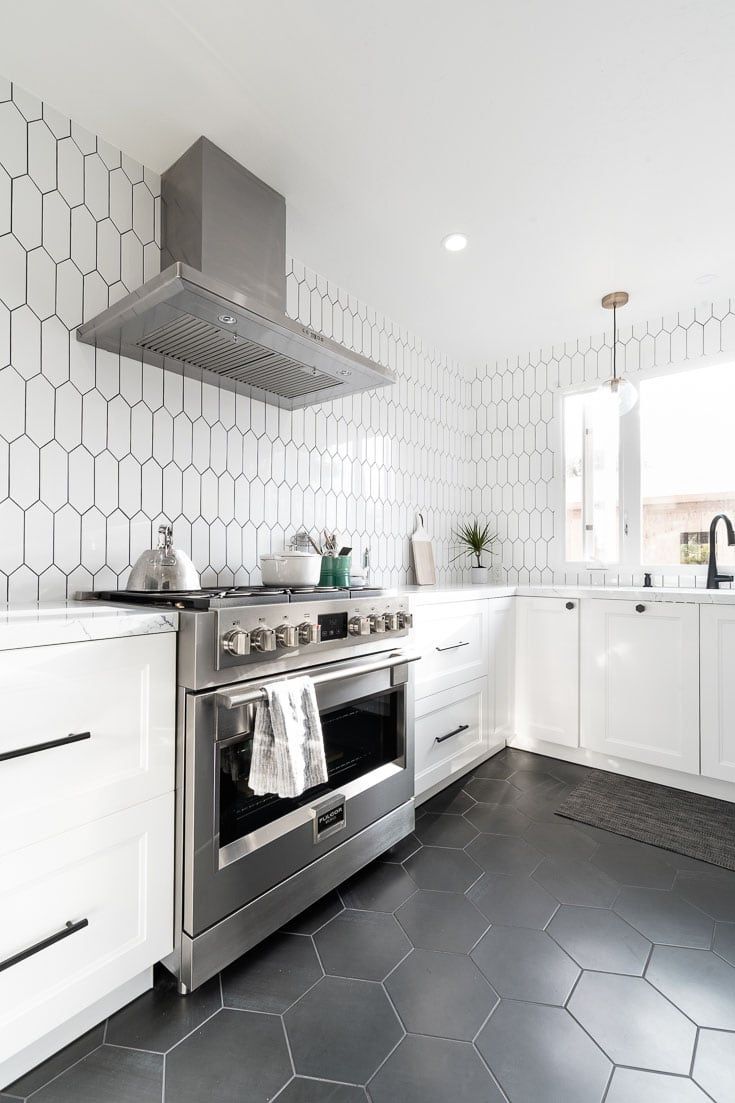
[629, 474]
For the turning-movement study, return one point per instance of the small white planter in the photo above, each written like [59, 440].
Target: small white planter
[480, 575]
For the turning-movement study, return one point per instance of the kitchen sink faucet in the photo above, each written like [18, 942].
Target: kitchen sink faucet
[713, 577]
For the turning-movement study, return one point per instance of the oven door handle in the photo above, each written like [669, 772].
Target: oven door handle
[235, 700]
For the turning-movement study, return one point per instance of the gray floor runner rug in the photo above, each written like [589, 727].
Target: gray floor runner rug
[700, 827]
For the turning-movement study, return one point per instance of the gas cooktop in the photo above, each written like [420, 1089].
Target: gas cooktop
[220, 597]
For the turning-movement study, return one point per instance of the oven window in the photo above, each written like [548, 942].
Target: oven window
[358, 737]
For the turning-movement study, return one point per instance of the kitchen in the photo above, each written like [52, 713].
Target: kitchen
[507, 870]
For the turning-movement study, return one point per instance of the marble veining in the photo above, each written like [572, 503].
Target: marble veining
[42, 623]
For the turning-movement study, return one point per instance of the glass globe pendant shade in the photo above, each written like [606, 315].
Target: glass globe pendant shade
[620, 391]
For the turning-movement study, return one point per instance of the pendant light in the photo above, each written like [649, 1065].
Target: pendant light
[620, 390]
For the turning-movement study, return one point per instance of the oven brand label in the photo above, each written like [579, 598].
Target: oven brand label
[331, 819]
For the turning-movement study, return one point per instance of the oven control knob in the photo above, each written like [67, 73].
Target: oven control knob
[236, 642]
[310, 633]
[263, 639]
[377, 623]
[405, 620]
[286, 635]
[392, 623]
[359, 626]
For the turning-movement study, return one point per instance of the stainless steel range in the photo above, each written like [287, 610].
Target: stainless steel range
[247, 864]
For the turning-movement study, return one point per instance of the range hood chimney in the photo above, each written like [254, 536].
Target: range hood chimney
[217, 311]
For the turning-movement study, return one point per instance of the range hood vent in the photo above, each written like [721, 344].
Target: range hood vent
[217, 311]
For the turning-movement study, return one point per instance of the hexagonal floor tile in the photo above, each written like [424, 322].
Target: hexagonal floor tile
[562, 840]
[492, 790]
[665, 917]
[697, 981]
[453, 800]
[724, 941]
[501, 854]
[513, 901]
[576, 882]
[236, 1055]
[497, 819]
[442, 921]
[541, 803]
[402, 850]
[540, 1053]
[379, 887]
[496, 767]
[433, 1070]
[633, 1023]
[310, 920]
[634, 1086]
[523, 964]
[342, 1030]
[137, 1078]
[445, 830]
[442, 870]
[301, 1090]
[713, 892]
[273, 975]
[714, 1064]
[634, 863]
[160, 1018]
[528, 780]
[441, 994]
[597, 938]
[363, 945]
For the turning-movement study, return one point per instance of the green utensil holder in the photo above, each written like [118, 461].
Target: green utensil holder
[335, 570]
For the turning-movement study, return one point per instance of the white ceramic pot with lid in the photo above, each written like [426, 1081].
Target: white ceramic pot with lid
[291, 568]
[164, 568]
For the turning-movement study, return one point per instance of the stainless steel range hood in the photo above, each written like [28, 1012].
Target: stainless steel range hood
[217, 311]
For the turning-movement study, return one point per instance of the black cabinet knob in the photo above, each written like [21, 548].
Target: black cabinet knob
[640, 608]
[570, 605]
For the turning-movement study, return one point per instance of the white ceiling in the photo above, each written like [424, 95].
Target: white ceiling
[581, 145]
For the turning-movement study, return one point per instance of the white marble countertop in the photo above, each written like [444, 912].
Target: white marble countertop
[42, 623]
[465, 592]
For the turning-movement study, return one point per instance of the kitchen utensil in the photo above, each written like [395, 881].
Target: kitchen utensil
[290, 568]
[164, 567]
[345, 551]
[423, 556]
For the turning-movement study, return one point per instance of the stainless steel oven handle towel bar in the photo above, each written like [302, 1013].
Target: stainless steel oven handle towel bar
[249, 696]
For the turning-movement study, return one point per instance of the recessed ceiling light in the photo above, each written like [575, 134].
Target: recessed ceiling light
[227, 319]
[344, 371]
[454, 243]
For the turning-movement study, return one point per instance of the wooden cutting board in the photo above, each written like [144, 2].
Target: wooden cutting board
[423, 556]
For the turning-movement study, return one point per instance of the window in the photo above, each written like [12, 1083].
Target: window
[641, 490]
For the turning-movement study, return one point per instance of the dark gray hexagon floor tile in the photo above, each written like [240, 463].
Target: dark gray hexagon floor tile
[713, 892]
[496, 767]
[632, 863]
[442, 921]
[513, 901]
[540, 1055]
[402, 850]
[441, 994]
[724, 941]
[562, 840]
[125, 1075]
[501, 854]
[526, 760]
[302, 1090]
[160, 1018]
[363, 945]
[528, 780]
[236, 1055]
[56, 1064]
[310, 920]
[442, 870]
[342, 1030]
[523, 964]
[452, 800]
[273, 975]
[379, 887]
[576, 882]
[714, 1064]
[540, 804]
[433, 1070]
[497, 819]
[697, 981]
[597, 938]
[492, 790]
[665, 917]
[571, 773]
[445, 830]
[635, 1086]
[633, 1023]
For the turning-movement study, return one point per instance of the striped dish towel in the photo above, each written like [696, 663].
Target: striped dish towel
[288, 745]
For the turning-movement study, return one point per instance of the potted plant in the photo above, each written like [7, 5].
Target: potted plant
[475, 539]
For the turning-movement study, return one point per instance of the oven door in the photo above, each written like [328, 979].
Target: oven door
[238, 845]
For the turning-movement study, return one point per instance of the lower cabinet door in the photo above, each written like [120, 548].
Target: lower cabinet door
[717, 690]
[452, 729]
[640, 681]
[81, 914]
[547, 670]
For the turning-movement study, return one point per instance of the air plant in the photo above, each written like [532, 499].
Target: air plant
[474, 538]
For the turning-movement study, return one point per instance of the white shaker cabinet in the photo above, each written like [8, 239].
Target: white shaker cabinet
[640, 681]
[547, 670]
[717, 691]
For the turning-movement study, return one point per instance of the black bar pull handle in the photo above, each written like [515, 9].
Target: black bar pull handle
[454, 646]
[70, 928]
[461, 728]
[75, 737]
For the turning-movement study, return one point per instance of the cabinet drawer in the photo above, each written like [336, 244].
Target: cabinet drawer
[453, 644]
[113, 881]
[452, 728]
[85, 729]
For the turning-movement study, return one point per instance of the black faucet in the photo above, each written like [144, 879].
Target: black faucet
[713, 578]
